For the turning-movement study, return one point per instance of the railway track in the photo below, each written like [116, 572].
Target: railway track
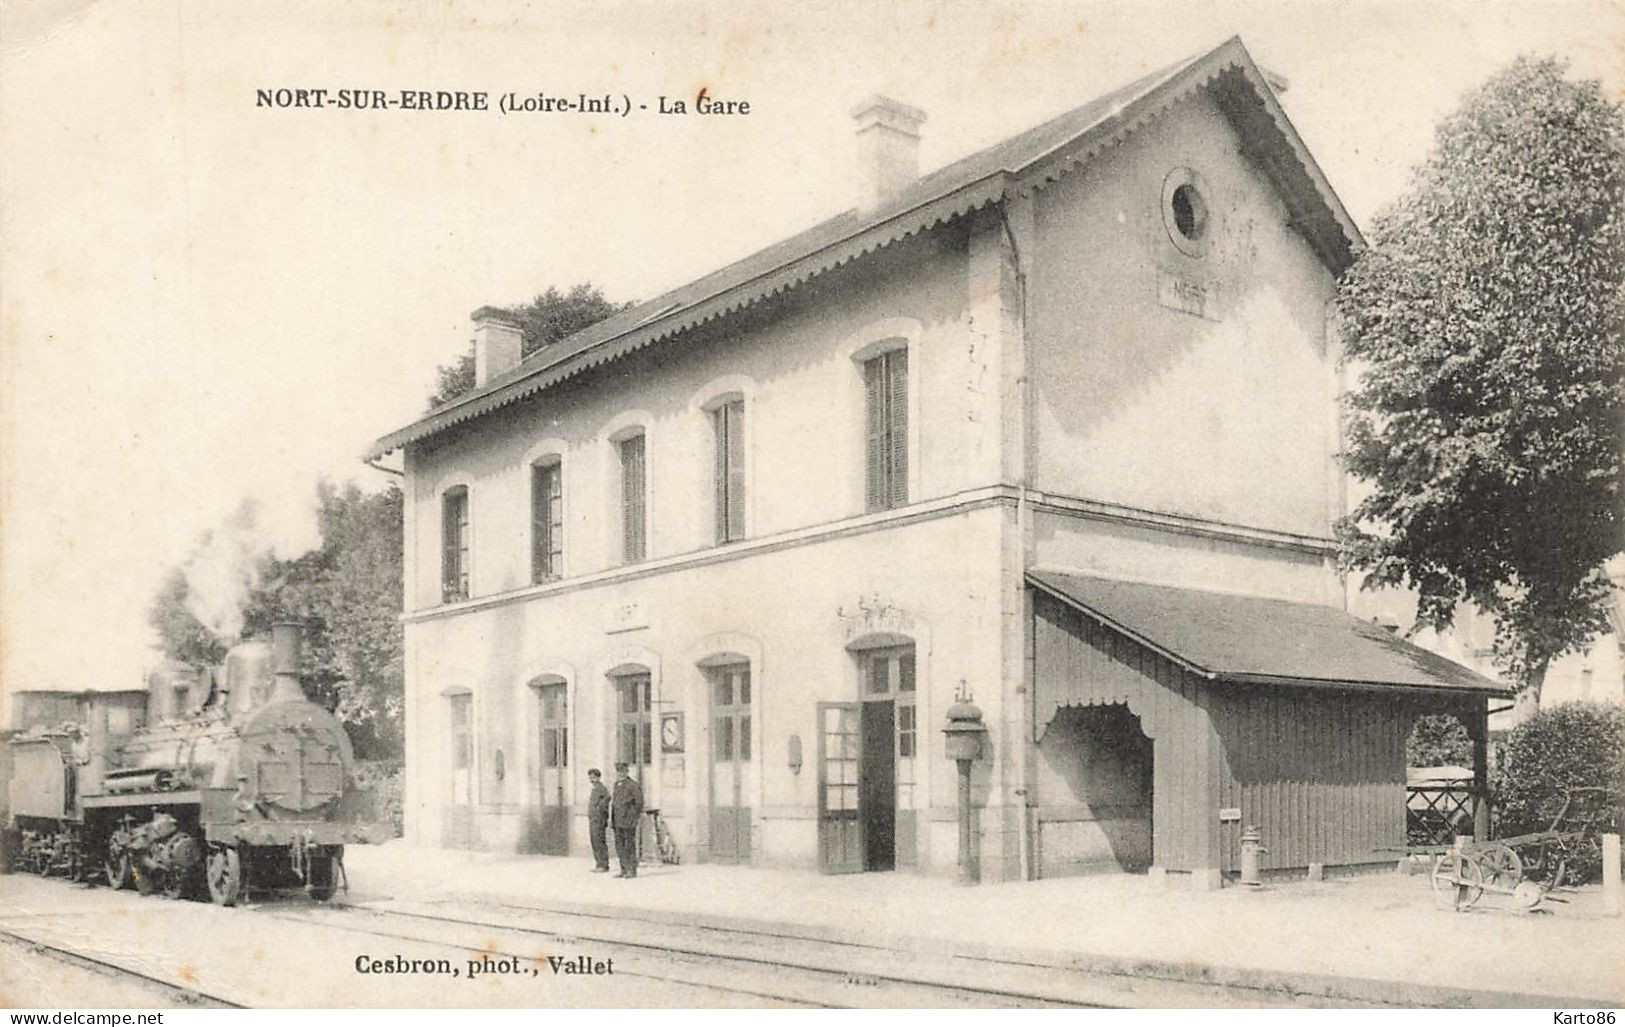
[774, 966]
[181, 993]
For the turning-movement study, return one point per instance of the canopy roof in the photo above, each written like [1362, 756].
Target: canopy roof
[1260, 641]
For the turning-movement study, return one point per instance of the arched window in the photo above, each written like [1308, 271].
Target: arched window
[633, 453]
[885, 402]
[728, 478]
[454, 535]
[546, 520]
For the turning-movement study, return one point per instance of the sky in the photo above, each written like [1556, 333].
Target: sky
[203, 301]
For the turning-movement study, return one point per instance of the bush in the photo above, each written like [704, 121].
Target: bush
[384, 778]
[1556, 753]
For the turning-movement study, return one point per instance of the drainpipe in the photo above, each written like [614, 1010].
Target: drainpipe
[1024, 534]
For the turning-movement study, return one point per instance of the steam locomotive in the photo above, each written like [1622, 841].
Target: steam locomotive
[230, 779]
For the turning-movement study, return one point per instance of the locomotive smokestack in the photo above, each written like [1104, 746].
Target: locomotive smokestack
[287, 639]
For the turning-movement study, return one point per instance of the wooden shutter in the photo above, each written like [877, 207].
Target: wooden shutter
[897, 426]
[719, 477]
[540, 522]
[736, 469]
[454, 555]
[633, 537]
[874, 394]
[546, 522]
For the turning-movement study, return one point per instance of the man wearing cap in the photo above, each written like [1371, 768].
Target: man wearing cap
[625, 809]
[598, 821]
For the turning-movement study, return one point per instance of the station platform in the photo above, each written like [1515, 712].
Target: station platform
[1376, 938]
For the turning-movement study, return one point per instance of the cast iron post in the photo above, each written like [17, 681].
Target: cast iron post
[964, 733]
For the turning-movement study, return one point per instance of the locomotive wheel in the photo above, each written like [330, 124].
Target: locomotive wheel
[177, 884]
[322, 876]
[118, 870]
[224, 872]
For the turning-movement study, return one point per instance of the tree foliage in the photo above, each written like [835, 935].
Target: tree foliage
[1486, 321]
[546, 319]
[1575, 749]
[1438, 740]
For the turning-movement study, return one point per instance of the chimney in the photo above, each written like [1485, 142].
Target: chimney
[497, 342]
[287, 639]
[888, 148]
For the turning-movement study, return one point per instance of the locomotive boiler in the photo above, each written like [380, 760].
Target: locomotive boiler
[236, 781]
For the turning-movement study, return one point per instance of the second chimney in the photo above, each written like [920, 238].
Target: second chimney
[498, 342]
[888, 148]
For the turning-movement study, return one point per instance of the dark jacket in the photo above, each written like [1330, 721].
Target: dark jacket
[598, 803]
[628, 804]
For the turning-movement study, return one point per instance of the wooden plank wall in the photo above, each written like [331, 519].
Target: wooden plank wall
[1078, 662]
[1321, 773]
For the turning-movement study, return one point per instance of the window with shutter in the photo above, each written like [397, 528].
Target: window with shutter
[547, 522]
[454, 539]
[885, 383]
[728, 420]
[634, 529]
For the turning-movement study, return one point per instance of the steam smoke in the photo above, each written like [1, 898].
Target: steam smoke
[224, 570]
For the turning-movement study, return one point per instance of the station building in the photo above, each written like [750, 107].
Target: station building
[1051, 428]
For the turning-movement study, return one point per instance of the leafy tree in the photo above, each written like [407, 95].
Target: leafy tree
[1487, 319]
[1438, 740]
[549, 317]
[1573, 751]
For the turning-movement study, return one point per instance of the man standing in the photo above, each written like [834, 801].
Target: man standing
[598, 821]
[625, 810]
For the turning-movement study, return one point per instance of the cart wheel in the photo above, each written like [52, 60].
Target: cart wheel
[1500, 865]
[1457, 881]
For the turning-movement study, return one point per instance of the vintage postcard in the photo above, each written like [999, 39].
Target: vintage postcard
[745, 504]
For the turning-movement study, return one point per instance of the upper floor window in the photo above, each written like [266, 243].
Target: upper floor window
[454, 533]
[634, 477]
[728, 420]
[546, 521]
[885, 383]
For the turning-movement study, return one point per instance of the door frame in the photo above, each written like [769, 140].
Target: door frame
[825, 865]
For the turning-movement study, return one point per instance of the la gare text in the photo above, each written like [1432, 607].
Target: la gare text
[620, 105]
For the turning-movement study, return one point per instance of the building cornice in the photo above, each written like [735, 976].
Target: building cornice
[954, 505]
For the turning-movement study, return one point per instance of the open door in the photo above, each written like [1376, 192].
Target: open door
[840, 831]
[877, 786]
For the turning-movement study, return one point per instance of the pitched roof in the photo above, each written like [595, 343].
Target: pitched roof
[1018, 165]
[1260, 641]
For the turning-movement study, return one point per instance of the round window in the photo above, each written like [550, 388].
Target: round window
[1185, 212]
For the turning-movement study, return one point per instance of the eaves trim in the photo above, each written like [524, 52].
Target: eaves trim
[964, 200]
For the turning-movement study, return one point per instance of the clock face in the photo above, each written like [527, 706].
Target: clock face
[670, 733]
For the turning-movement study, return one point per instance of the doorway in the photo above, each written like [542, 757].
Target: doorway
[548, 831]
[457, 829]
[1096, 775]
[866, 774]
[877, 786]
[732, 770]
